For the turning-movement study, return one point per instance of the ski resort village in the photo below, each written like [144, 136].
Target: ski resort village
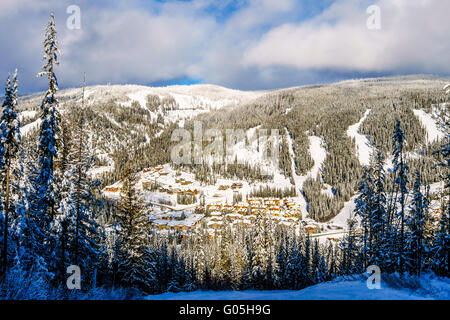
[152, 159]
[213, 207]
[177, 204]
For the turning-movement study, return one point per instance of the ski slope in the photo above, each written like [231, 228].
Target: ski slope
[346, 213]
[29, 127]
[363, 147]
[434, 133]
[447, 88]
[318, 154]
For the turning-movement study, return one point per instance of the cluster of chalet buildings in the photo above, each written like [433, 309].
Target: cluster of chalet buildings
[234, 186]
[170, 189]
[272, 207]
[245, 213]
[284, 212]
[171, 223]
[179, 191]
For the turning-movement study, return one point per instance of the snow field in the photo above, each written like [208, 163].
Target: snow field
[433, 131]
[363, 148]
[350, 288]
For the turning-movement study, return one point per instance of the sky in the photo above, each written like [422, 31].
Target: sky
[239, 44]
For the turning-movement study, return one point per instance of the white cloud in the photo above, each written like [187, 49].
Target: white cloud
[413, 37]
[260, 45]
[140, 46]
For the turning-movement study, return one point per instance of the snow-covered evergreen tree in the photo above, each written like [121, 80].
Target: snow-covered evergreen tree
[239, 263]
[46, 185]
[222, 267]
[291, 278]
[441, 243]
[322, 272]
[281, 261]
[79, 233]
[135, 269]
[190, 283]
[417, 243]
[400, 181]
[259, 259]
[364, 208]
[317, 275]
[4, 216]
[351, 261]
[13, 183]
[87, 232]
[4, 213]
[441, 246]
[331, 262]
[163, 266]
[44, 189]
[178, 275]
[304, 265]
[272, 279]
[200, 257]
[378, 216]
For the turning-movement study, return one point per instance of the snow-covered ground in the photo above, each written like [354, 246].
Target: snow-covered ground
[339, 223]
[253, 153]
[27, 114]
[188, 101]
[253, 150]
[437, 187]
[363, 147]
[429, 288]
[433, 131]
[346, 213]
[27, 128]
[100, 170]
[318, 154]
[187, 97]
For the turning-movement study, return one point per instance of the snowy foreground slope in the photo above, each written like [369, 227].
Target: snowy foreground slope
[354, 288]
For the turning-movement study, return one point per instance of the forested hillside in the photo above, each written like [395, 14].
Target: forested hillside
[140, 136]
[86, 174]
